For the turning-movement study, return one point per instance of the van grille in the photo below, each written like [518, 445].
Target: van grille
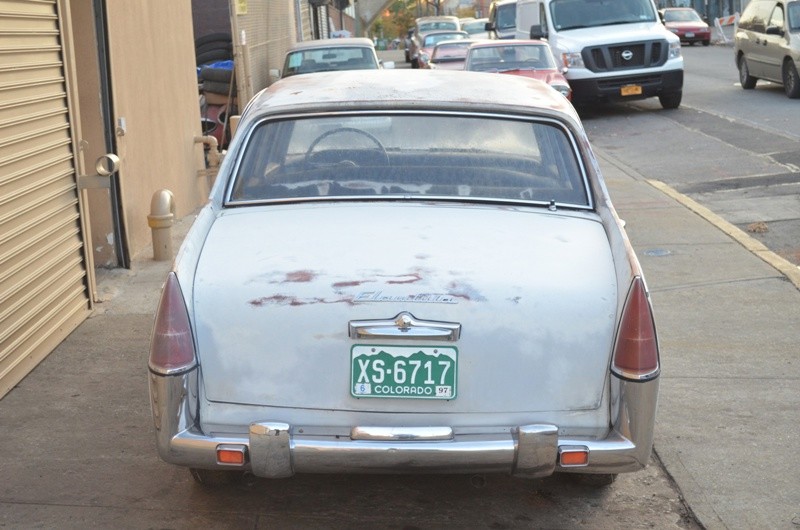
[626, 56]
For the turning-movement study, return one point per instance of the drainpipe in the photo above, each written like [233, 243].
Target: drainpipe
[160, 220]
[213, 148]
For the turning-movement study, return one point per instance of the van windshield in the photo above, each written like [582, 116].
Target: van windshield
[575, 14]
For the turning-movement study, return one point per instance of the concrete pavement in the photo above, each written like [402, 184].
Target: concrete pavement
[77, 439]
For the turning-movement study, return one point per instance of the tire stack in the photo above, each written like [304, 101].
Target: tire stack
[215, 76]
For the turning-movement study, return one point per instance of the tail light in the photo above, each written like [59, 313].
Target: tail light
[172, 346]
[636, 347]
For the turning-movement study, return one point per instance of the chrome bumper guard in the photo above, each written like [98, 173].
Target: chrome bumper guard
[276, 450]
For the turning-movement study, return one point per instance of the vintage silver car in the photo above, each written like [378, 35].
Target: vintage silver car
[406, 272]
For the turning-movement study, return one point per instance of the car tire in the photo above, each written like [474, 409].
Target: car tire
[212, 478]
[415, 63]
[745, 79]
[671, 100]
[212, 37]
[791, 81]
[706, 42]
[594, 480]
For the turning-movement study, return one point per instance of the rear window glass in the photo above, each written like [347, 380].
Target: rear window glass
[405, 156]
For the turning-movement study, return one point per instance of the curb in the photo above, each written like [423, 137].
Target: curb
[756, 247]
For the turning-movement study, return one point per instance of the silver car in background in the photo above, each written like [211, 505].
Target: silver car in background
[406, 272]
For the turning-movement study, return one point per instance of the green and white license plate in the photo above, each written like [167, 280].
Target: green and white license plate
[408, 372]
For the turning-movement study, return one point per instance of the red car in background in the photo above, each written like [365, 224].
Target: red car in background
[687, 24]
[449, 55]
[433, 38]
[528, 58]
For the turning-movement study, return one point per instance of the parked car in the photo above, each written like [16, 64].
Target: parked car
[449, 55]
[354, 298]
[476, 28]
[527, 58]
[429, 40]
[767, 44]
[502, 23]
[323, 55]
[687, 24]
[425, 25]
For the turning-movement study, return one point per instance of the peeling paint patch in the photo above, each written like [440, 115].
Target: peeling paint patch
[355, 283]
[465, 292]
[303, 276]
[293, 301]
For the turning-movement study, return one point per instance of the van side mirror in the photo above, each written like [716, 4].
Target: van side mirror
[774, 30]
[537, 32]
[488, 26]
[275, 74]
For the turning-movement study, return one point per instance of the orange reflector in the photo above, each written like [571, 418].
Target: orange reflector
[231, 455]
[574, 458]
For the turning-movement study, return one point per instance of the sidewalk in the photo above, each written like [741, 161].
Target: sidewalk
[729, 411]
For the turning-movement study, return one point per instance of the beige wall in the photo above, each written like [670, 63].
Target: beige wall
[154, 90]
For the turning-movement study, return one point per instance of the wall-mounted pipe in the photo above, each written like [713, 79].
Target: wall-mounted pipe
[213, 148]
[160, 220]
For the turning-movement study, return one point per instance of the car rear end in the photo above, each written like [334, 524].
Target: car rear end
[407, 332]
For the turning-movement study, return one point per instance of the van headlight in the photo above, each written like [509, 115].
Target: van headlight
[572, 60]
[674, 50]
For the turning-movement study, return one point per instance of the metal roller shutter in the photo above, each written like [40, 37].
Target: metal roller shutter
[43, 293]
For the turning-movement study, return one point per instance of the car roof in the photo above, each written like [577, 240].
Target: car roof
[332, 43]
[504, 43]
[409, 90]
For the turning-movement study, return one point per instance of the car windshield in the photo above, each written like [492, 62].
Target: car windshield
[431, 40]
[450, 51]
[681, 15]
[426, 27]
[506, 16]
[331, 58]
[475, 26]
[469, 158]
[575, 14]
[510, 57]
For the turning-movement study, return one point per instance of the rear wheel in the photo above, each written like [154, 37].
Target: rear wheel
[791, 81]
[212, 478]
[594, 480]
[706, 42]
[671, 100]
[747, 81]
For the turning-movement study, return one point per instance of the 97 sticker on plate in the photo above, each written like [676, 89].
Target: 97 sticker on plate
[406, 372]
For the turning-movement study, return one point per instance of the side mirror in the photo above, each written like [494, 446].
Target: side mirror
[537, 32]
[274, 74]
[774, 30]
[488, 26]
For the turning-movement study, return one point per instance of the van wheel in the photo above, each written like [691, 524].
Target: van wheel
[671, 100]
[747, 81]
[791, 81]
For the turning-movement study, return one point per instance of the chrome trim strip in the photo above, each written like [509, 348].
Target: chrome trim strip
[401, 433]
[404, 326]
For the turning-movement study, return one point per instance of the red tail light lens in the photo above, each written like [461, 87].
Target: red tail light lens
[636, 348]
[172, 347]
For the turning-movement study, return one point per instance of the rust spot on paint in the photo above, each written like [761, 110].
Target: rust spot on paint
[293, 301]
[299, 277]
[409, 278]
[339, 285]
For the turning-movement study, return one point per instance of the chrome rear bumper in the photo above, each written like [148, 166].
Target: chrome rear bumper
[277, 449]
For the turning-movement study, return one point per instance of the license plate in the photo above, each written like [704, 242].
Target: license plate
[631, 90]
[690, 35]
[407, 372]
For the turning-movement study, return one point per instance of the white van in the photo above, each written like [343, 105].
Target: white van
[612, 49]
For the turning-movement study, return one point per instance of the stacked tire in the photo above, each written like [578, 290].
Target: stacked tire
[215, 75]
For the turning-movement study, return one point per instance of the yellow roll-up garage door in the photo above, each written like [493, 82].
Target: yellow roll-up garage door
[43, 293]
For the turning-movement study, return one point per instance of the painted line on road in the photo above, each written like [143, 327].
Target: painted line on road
[782, 265]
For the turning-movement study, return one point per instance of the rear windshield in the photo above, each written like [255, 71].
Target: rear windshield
[470, 158]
